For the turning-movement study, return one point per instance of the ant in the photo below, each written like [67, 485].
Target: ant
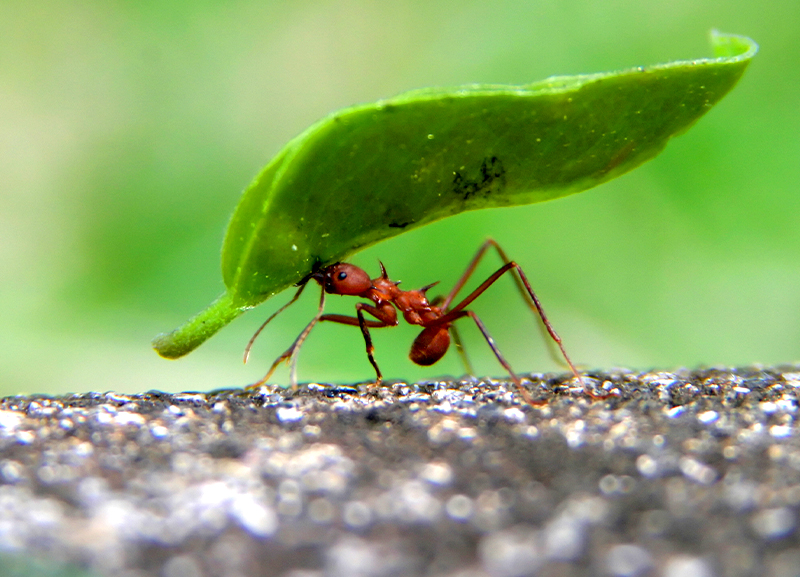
[436, 318]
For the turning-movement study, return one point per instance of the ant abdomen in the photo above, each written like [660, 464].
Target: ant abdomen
[430, 346]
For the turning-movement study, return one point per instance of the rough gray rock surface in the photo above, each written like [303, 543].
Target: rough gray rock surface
[683, 473]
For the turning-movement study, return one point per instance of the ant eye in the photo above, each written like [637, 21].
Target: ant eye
[341, 276]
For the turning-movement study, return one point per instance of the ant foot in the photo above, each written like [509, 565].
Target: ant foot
[598, 394]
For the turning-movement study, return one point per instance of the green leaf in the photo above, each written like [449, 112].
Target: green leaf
[372, 171]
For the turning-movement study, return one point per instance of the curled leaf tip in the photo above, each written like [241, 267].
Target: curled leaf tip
[732, 46]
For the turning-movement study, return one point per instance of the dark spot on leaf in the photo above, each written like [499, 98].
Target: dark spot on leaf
[399, 224]
[491, 174]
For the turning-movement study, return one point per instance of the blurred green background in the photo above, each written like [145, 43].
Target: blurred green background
[129, 130]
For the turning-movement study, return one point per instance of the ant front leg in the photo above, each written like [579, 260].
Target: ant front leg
[291, 353]
[249, 346]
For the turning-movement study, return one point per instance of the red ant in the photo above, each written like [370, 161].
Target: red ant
[436, 318]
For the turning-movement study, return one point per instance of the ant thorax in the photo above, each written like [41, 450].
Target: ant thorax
[384, 290]
[415, 307]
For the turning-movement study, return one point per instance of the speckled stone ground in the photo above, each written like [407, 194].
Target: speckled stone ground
[684, 473]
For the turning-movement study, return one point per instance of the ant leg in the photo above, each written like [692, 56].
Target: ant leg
[290, 354]
[462, 353]
[266, 322]
[300, 339]
[368, 340]
[491, 243]
[487, 244]
[365, 324]
[517, 381]
[456, 336]
[470, 269]
[271, 370]
[550, 329]
[453, 313]
[353, 321]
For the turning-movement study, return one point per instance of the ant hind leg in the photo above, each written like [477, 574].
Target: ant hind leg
[462, 353]
[523, 287]
[517, 381]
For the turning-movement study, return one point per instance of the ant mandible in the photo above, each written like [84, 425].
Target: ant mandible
[436, 318]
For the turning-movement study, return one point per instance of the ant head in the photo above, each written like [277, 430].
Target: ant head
[343, 279]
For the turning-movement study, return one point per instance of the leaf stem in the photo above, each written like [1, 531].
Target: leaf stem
[198, 329]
